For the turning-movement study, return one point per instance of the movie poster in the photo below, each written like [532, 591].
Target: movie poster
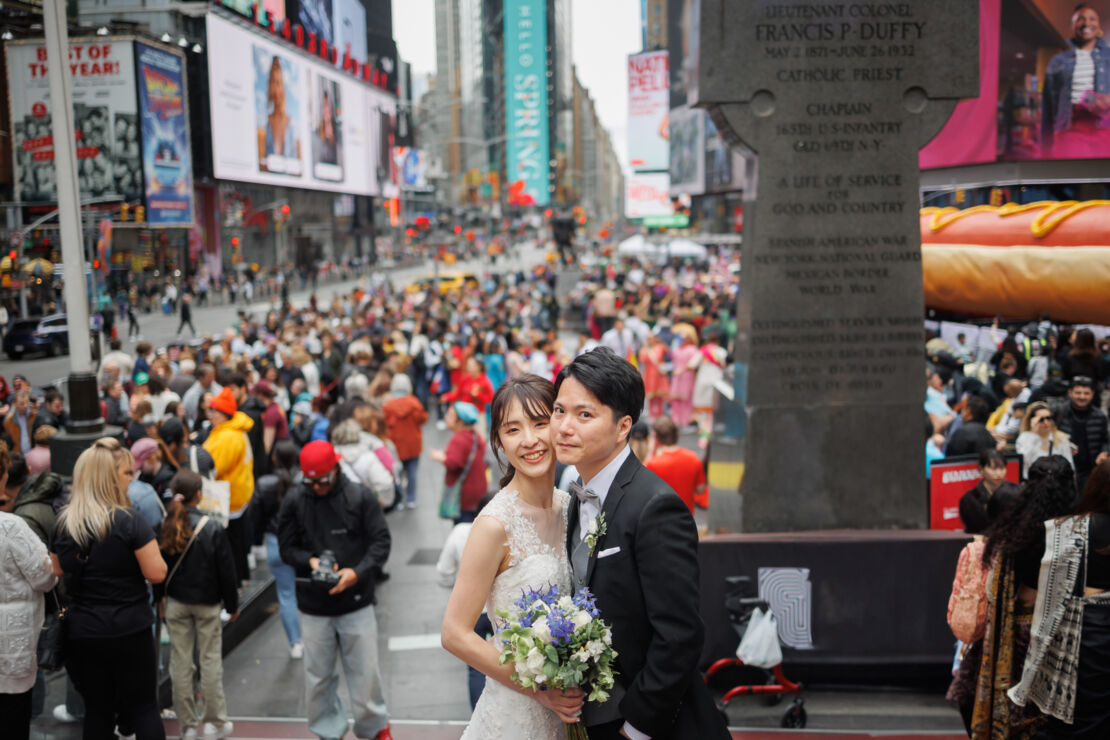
[167, 162]
[105, 119]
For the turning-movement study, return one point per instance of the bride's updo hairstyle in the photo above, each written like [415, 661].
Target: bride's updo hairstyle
[537, 398]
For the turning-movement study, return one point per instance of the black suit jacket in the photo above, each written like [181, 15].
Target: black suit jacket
[648, 593]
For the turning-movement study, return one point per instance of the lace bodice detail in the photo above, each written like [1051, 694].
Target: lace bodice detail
[537, 558]
[537, 547]
[530, 529]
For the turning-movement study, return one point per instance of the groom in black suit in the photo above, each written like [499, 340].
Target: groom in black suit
[632, 540]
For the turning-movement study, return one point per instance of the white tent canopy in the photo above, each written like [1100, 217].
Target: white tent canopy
[638, 246]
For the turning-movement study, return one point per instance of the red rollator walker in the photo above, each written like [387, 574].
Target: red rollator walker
[740, 601]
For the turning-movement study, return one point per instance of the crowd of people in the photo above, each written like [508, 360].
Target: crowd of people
[1035, 666]
[290, 427]
[1042, 390]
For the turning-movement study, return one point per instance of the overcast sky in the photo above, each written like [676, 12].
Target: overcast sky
[605, 33]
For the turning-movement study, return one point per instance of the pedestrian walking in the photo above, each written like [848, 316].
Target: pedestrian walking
[186, 315]
[133, 329]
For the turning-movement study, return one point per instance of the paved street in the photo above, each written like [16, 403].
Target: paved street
[159, 329]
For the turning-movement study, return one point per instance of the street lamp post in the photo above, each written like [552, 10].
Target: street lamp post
[85, 422]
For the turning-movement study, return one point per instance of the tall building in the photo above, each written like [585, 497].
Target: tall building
[655, 24]
[466, 113]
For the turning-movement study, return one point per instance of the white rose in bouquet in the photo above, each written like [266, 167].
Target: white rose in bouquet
[581, 619]
[541, 631]
[534, 663]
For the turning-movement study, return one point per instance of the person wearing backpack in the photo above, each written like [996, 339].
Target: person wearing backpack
[201, 578]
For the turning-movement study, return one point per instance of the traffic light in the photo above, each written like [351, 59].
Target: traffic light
[285, 210]
[140, 214]
[124, 211]
[13, 255]
[235, 241]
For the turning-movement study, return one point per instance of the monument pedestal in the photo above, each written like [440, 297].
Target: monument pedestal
[85, 425]
[67, 446]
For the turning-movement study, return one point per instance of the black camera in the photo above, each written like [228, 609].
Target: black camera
[324, 574]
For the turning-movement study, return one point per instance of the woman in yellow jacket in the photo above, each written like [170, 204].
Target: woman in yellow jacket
[231, 453]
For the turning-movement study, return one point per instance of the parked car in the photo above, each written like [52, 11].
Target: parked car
[38, 334]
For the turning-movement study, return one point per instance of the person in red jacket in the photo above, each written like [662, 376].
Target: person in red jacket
[404, 417]
[465, 449]
[474, 388]
[679, 468]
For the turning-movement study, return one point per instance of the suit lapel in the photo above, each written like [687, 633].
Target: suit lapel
[612, 501]
[572, 523]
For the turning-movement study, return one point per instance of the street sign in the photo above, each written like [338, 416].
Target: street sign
[675, 220]
[16, 239]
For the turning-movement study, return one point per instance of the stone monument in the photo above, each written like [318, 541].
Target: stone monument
[835, 97]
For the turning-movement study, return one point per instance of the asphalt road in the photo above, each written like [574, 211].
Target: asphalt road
[159, 329]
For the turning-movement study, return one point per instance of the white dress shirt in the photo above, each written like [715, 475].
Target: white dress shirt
[600, 484]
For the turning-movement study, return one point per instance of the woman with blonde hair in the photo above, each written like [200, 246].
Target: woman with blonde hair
[1039, 437]
[107, 553]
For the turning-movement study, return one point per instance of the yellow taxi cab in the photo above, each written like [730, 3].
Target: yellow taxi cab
[448, 281]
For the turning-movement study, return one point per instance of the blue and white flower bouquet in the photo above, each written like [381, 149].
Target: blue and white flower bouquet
[559, 642]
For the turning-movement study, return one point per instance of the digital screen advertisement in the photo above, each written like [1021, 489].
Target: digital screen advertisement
[647, 194]
[412, 168]
[310, 125]
[167, 164]
[687, 156]
[1038, 98]
[528, 158]
[105, 119]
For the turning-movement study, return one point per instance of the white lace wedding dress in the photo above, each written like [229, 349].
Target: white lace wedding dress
[537, 558]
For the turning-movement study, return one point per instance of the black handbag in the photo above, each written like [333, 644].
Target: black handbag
[51, 648]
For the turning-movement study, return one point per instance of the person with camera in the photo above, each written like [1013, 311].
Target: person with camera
[333, 532]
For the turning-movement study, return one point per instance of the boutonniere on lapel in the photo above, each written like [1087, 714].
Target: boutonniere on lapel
[595, 532]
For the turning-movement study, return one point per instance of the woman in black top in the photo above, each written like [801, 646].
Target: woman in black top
[990, 497]
[1015, 543]
[107, 553]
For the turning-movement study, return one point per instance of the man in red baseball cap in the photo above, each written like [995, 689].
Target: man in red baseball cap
[331, 518]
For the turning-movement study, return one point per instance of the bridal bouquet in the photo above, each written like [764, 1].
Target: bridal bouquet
[561, 642]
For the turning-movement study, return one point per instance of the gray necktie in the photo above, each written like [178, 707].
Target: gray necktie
[584, 494]
[580, 553]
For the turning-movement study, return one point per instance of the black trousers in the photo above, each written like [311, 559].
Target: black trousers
[16, 711]
[239, 537]
[117, 677]
[1092, 695]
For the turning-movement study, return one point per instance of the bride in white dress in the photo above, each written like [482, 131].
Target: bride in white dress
[517, 542]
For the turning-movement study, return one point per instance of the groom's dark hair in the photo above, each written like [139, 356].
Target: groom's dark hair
[611, 378]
